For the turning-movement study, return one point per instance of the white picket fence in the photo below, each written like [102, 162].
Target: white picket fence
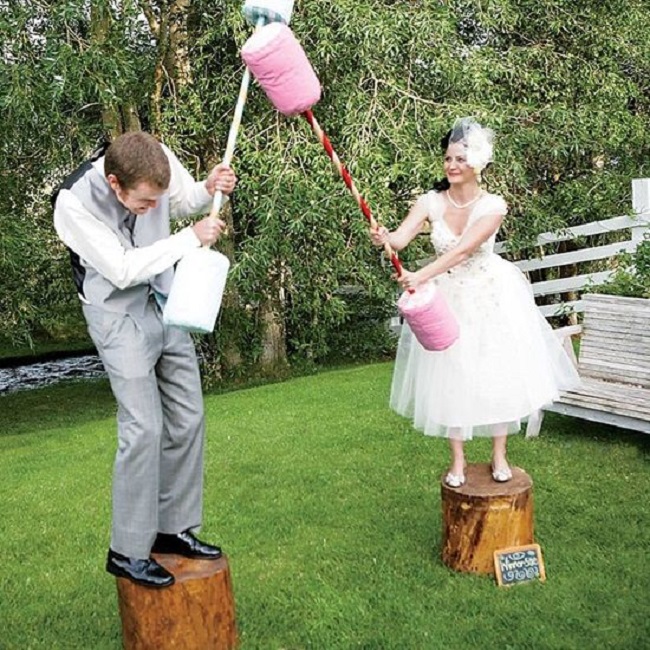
[636, 226]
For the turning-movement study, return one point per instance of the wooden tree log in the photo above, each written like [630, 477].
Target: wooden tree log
[483, 516]
[196, 613]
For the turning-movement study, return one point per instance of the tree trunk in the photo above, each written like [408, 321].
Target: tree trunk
[232, 356]
[196, 613]
[568, 271]
[173, 70]
[130, 118]
[274, 346]
[177, 60]
[100, 26]
[484, 516]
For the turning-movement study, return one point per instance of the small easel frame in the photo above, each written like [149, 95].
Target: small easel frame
[528, 565]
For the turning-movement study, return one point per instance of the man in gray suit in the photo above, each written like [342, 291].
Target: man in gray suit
[113, 214]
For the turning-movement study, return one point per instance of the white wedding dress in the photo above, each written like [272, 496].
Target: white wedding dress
[506, 364]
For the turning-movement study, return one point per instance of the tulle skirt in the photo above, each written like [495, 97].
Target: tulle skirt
[506, 364]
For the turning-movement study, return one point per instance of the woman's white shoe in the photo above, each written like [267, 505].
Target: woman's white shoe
[502, 475]
[454, 480]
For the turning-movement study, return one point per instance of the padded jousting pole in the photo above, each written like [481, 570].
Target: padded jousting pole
[200, 278]
[280, 65]
[258, 13]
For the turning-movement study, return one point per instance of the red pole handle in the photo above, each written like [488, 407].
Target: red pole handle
[347, 178]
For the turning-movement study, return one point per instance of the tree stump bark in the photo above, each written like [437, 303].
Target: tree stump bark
[196, 613]
[483, 516]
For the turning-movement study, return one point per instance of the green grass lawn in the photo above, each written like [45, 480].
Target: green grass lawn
[328, 506]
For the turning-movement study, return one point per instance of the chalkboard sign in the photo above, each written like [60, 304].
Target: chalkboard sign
[519, 564]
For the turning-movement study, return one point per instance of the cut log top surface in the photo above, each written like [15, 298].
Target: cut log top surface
[184, 568]
[479, 483]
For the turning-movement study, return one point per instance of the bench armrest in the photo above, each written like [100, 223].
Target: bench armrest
[565, 334]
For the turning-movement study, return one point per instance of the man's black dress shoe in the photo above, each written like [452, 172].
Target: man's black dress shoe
[185, 544]
[145, 572]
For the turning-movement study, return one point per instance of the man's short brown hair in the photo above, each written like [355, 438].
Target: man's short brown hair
[137, 157]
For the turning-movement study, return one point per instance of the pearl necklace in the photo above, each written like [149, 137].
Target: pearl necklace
[460, 206]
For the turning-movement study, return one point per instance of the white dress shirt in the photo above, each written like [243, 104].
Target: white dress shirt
[101, 248]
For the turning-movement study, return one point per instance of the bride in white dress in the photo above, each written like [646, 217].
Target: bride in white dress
[506, 363]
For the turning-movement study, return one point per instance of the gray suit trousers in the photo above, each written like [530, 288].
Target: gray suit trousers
[158, 473]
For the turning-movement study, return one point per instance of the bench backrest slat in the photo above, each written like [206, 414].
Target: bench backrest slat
[615, 343]
[574, 257]
[631, 229]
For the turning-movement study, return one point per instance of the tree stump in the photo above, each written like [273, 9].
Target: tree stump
[196, 613]
[483, 516]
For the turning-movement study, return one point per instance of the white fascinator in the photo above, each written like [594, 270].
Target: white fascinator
[478, 141]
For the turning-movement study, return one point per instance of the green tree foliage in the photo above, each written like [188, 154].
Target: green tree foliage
[56, 83]
[632, 276]
[565, 85]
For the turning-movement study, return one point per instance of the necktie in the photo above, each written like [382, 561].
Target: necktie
[129, 225]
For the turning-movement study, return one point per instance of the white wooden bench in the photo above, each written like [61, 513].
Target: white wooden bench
[615, 335]
[614, 364]
[555, 288]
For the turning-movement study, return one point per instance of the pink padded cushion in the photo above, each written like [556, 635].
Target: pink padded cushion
[429, 317]
[280, 65]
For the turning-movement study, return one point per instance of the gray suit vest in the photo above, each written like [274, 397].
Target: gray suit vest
[91, 188]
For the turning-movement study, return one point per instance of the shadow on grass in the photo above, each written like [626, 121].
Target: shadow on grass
[59, 405]
[568, 430]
